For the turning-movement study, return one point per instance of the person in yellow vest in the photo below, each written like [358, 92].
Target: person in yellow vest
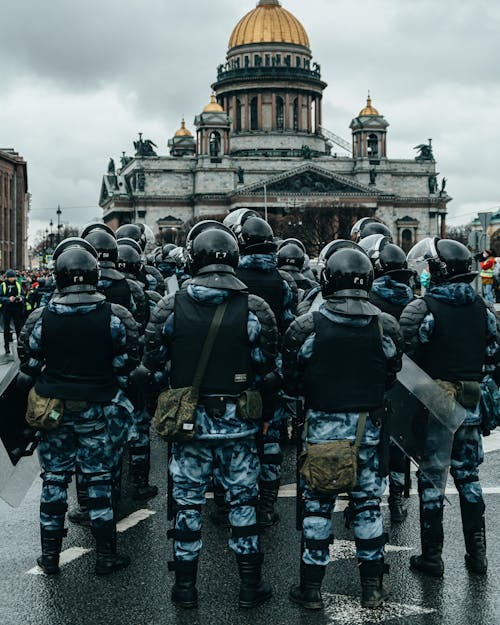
[487, 265]
[12, 301]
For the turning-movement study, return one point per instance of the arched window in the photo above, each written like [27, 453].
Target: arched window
[372, 145]
[296, 114]
[215, 144]
[239, 116]
[280, 113]
[254, 114]
[406, 240]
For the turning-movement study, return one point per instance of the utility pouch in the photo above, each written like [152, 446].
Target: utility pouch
[44, 413]
[332, 468]
[175, 414]
[467, 394]
[250, 406]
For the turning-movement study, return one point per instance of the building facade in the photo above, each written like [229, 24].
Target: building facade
[261, 143]
[14, 204]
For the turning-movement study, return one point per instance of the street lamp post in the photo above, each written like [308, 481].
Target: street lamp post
[59, 224]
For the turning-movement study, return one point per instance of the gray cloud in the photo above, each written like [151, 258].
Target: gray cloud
[80, 79]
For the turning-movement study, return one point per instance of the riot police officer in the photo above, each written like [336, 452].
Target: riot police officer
[150, 277]
[244, 348]
[76, 350]
[343, 397]
[258, 270]
[452, 334]
[391, 292]
[367, 226]
[291, 258]
[12, 304]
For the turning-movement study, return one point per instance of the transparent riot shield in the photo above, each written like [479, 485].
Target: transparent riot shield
[424, 421]
[19, 464]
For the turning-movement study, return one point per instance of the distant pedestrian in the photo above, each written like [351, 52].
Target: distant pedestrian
[12, 303]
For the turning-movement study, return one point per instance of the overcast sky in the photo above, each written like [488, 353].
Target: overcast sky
[80, 78]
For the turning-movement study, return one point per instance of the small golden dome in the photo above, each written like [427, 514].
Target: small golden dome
[369, 109]
[183, 131]
[213, 106]
[269, 23]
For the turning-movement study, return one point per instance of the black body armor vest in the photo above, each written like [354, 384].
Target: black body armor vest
[396, 310]
[347, 371]
[267, 285]
[229, 370]
[457, 351]
[118, 293]
[79, 354]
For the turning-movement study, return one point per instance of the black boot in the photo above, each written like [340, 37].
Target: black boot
[79, 515]
[51, 550]
[108, 560]
[475, 536]
[220, 514]
[308, 592]
[253, 591]
[431, 536]
[184, 593]
[268, 494]
[397, 505]
[7, 350]
[139, 469]
[373, 593]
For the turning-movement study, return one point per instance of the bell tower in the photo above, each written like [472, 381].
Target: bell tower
[369, 134]
[213, 128]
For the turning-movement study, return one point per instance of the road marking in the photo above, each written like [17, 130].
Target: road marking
[73, 553]
[67, 556]
[290, 491]
[133, 519]
[492, 442]
[346, 549]
[346, 610]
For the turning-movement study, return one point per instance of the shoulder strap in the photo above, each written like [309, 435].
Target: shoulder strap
[360, 430]
[208, 346]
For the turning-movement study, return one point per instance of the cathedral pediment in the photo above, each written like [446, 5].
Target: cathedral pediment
[307, 180]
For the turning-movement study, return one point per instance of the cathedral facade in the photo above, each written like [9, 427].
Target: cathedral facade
[260, 143]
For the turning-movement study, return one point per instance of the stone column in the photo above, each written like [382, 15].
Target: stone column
[259, 109]
[309, 113]
[273, 112]
[287, 112]
[246, 105]
[235, 112]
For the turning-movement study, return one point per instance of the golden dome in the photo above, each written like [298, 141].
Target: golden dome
[369, 109]
[183, 131]
[213, 106]
[269, 23]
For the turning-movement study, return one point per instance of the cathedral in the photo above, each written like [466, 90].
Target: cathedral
[261, 143]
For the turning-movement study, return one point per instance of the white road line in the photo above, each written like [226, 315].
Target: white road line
[345, 610]
[288, 491]
[491, 442]
[73, 553]
[133, 519]
[346, 549]
[67, 556]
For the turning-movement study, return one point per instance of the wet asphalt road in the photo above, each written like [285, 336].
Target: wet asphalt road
[140, 594]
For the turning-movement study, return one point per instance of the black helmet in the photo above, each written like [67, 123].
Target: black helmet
[132, 231]
[96, 225]
[71, 242]
[202, 226]
[332, 248]
[392, 262]
[291, 255]
[237, 218]
[105, 245]
[448, 260]
[130, 243]
[213, 249]
[151, 260]
[10, 273]
[178, 255]
[256, 237]
[147, 241]
[76, 271]
[367, 226]
[129, 260]
[166, 249]
[292, 241]
[347, 272]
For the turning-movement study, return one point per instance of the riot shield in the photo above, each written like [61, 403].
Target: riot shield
[317, 302]
[424, 421]
[19, 465]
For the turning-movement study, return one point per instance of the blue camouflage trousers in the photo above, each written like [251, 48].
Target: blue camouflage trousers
[139, 435]
[364, 513]
[466, 457]
[191, 467]
[82, 440]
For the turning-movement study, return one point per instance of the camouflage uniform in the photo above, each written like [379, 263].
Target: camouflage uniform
[84, 438]
[226, 442]
[322, 427]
